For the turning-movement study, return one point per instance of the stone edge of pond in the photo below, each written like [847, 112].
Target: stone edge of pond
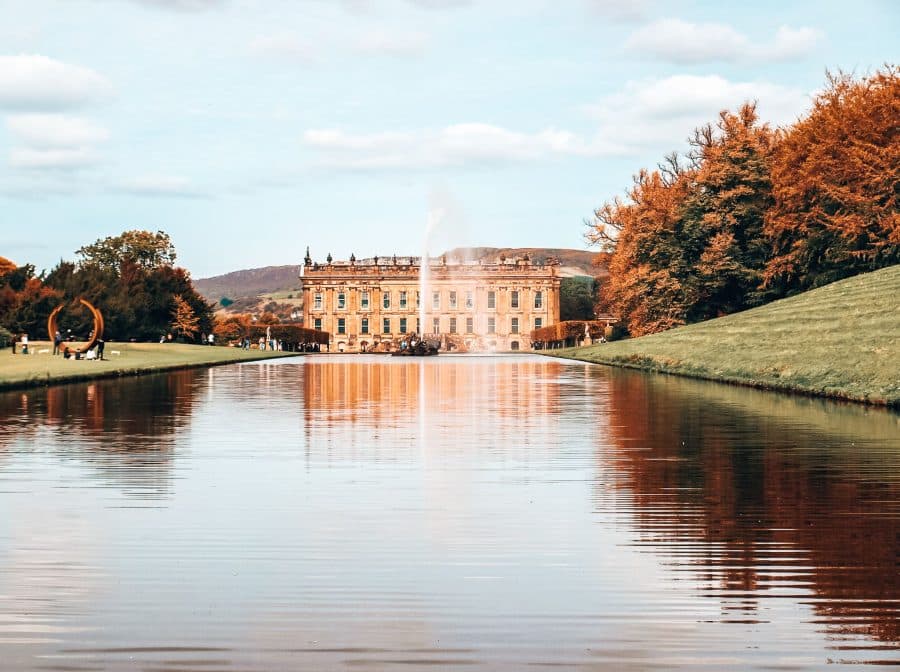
[649, 365]
[129, 372]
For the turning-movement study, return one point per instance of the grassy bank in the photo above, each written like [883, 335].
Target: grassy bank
[19, 371]
[841, 340]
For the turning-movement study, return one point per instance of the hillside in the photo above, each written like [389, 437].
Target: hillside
[573, 262]
[841, 340]
[252, 288]
[250, 282]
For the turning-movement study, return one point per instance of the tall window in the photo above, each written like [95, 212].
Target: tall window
[436, 301]
[492, 325]
[317, 324]
[418, 326]
[317, 301]
[514, 299]
[402, 299]
[538, 323]
[492, 299]
[452, 325]
[386, 325]
[436, 325]
[538, 299]
[470, 300]
[453, 300]
[364, 325]
[364, 300]
[386, 300]
[470, 325]
[402, 325]
[418, 300]
[514, 325]
[342, 301]
[342, 325]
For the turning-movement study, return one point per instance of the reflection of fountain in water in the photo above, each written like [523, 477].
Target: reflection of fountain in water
[435, 215]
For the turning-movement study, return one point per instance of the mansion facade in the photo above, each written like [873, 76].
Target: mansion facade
[373, 305]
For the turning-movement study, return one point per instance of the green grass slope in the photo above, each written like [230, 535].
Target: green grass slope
[841, 340]
[18, 371]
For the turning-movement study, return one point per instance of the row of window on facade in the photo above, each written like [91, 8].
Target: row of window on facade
[452, 323]
[453, 300]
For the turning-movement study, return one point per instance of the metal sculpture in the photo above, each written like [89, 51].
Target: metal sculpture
[97, 332]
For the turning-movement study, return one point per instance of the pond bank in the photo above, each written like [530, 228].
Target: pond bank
[840, 341]
[121, 359]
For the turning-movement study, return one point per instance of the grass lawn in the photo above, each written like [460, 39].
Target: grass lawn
[135, 358]
[841, 340]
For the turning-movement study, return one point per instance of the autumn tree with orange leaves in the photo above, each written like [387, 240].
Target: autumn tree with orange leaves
[687, 244]
[836, 185]
[752, 214]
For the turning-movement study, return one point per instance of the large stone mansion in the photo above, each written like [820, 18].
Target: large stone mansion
[373, 304]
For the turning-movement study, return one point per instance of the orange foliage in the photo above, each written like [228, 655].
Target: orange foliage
[641, 285]
[835, 175]
[758, 214]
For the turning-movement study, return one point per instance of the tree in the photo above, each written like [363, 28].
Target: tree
[143, 249]
[576, 298]
[232, 328]
[184, 321]
[835, 176]
[688, 242]
[640, 239]
[25, 302]
[723, 214]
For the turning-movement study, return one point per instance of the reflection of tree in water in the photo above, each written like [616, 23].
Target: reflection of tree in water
[764, 495]
[125, 430]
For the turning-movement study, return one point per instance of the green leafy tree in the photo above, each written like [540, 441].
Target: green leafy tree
[135, 298]
[576, 298]
[143, 249]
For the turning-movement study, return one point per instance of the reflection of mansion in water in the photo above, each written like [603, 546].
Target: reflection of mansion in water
[373, 304]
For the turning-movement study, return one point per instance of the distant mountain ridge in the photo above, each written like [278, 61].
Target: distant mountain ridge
[254, 282]
[248, 282]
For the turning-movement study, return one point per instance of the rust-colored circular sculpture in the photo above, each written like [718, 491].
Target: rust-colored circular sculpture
[96, 334]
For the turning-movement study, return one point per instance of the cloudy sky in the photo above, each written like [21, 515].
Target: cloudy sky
[249, 129]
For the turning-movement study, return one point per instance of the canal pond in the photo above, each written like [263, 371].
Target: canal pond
[458, 512]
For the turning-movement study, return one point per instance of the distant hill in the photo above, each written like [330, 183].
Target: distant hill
[573, 262]
[249, 282]
[251, 289]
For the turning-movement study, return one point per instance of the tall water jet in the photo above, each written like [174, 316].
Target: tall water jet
[435, 215]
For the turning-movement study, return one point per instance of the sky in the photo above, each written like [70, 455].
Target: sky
[251, 129]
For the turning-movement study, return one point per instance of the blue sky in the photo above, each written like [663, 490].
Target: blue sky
[249, 129]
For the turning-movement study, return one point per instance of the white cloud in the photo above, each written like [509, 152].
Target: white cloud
[440, 4]
[161, 186]
[647, 117]
[31, 81]
[67, 158]
[392, 43]
[620, 10]
[184, 5]
[55, 130]
[456, 145]
[683, 42]
[661, 113]
[794, 43]
[282, 45]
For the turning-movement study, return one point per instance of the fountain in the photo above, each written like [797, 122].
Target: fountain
[424, 346]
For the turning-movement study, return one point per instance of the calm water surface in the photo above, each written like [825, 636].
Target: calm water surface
[484, 513]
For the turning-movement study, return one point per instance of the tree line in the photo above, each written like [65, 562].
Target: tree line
[131, 278]
[751, 214]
